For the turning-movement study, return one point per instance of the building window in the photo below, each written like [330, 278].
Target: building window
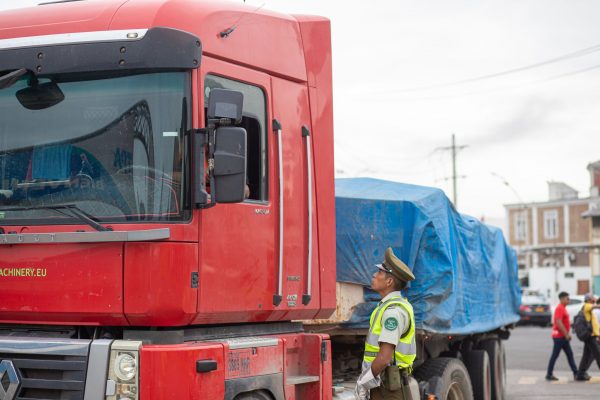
[254, 120]
[551, 224]
[521, 225]
[551, 262]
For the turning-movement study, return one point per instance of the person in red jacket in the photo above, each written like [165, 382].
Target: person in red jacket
[561, 335]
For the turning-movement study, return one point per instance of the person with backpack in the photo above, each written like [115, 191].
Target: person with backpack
[596, 314]
[591, 348]
[561, 337]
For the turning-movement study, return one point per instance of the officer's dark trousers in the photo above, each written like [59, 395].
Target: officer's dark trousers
[591, 352]
[561, 344]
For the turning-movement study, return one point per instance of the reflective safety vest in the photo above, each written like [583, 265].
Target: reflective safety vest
[406, 348]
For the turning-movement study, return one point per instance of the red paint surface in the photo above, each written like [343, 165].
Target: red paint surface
[73, 283]
[254, 361]
[316, 38]
[158, 289]
[169, 372]
[303, 358]
[237, 243]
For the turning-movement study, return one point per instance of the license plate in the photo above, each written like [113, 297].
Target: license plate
[539, 309]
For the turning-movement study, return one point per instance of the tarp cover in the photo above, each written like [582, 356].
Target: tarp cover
[466, 274]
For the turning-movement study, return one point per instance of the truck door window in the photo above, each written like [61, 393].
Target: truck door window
[255, 122]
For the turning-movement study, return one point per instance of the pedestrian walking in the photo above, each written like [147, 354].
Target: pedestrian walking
[561, 336]
[596, 314]
[390, 348]
[596, 311]
[591, 348]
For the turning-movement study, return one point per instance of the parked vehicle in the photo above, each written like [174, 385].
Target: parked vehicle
[167, 216]
[574, 306]
[534, 309]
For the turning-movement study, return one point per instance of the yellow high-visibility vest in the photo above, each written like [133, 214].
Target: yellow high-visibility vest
[406, 348]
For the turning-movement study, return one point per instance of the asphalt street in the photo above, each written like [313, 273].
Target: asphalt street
[527, 354]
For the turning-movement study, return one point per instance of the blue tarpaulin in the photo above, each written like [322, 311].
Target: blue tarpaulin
[466, 274]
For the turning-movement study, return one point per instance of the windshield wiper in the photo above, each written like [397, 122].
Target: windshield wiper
[7, 80]
[74, 211]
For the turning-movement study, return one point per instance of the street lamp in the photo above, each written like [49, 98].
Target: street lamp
[521, 202]
[522, 207]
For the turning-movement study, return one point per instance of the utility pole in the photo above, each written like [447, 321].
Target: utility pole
[454, 149]
[454, 200]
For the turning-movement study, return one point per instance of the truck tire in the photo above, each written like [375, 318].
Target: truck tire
[254, 395]
[478, 365]
[446, 378]
[495, 351]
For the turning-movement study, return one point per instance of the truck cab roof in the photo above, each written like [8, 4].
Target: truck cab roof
[230, 31]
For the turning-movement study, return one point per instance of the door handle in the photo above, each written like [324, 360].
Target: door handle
[307, 296]
[279, 295]
[206, 366]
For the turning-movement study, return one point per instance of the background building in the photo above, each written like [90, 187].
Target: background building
[558, 240]
[593, 214]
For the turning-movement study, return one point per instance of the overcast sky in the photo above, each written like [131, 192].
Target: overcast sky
[408, 74]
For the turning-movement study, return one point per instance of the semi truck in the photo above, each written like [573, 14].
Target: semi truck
[167, 211]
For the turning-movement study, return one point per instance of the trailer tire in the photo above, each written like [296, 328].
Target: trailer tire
[495, 351]
[446, 378]
[478, 365]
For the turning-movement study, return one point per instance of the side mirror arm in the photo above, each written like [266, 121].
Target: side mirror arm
[200, 142]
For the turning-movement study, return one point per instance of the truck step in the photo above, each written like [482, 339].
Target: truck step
[301, 379]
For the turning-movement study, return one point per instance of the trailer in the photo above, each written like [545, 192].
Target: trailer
[466, 295]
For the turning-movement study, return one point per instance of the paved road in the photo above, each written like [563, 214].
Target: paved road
[527, 354]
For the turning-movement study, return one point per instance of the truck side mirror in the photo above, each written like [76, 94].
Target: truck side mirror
[223, 103]
[230, 164]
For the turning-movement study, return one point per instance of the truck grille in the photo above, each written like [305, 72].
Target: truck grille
[49, 371]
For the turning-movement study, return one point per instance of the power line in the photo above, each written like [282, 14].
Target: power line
[379, 162]
[578, 53]
[504, 88]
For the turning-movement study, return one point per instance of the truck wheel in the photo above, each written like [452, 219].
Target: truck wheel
[478, 365]
[254, 395]
[495, 352]
[446, 378]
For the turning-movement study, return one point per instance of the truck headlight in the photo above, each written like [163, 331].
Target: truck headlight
[125, 366]
[123, 370]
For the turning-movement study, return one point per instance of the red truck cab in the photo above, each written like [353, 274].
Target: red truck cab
[127, 269]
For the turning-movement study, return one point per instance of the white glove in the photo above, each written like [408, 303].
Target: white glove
[368, 381]
[361, 393]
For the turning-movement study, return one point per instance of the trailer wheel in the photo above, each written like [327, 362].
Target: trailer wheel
[254, 395]
[446, 378]
[478, 365]
[495, 352]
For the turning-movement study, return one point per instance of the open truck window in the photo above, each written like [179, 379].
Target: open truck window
[113, 147]
[254, 120]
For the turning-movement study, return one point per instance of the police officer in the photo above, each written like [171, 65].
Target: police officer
[390, 347]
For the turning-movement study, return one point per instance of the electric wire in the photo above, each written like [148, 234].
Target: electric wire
[568, 56]
[498, 89]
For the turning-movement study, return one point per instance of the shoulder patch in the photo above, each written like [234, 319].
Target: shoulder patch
[391, 323]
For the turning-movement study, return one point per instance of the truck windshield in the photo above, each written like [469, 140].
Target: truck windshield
[113, 148]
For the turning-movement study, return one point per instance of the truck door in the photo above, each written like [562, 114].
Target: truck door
[237, 273]
[300, 281]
